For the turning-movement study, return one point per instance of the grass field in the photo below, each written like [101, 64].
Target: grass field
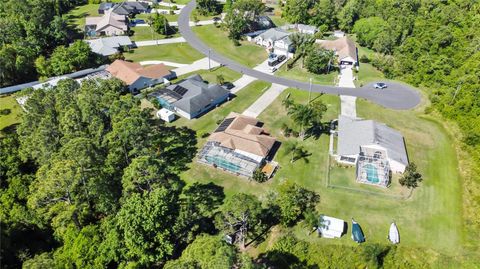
[9, 102]
[302, 74]
[211, 76]
[142, 33]
[431, 218]
[247, 54]
[178, 52]
[169, 17]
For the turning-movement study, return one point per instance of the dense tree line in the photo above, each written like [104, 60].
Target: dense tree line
[29, 29]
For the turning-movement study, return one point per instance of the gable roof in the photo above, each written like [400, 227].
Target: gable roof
[130, 72]
[353, 133]
[343, 47]
[239, 132]
[108, 45]
[274, 34]
[108, 19]
[195, 94]
[127, 8]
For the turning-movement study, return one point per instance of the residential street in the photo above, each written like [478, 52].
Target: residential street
[397, 96]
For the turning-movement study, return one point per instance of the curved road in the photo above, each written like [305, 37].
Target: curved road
[397, 96]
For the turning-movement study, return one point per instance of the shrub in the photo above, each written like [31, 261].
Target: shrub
[5, 111]
[364, 59]
[259, 176]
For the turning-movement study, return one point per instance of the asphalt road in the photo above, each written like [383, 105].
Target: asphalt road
[396, 96]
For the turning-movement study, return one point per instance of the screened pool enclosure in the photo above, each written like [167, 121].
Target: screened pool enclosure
[227, 159]
[373, 167]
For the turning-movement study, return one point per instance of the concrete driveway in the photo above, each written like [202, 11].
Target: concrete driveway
[397, 96]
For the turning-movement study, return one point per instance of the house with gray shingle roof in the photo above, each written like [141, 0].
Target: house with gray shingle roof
[373, 147]
[109, 45]
[191, 97]
[131, 8]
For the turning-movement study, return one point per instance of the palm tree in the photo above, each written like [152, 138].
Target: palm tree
[302, 43]
[302, 115]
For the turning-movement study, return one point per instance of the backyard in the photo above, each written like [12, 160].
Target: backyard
[247, 54]
[142, 33]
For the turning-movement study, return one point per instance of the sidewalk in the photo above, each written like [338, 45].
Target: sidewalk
[264, 101]
[163, 62]
[197, 65]
[159, 42]
[241, 83]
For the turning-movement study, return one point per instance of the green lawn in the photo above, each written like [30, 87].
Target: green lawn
[302, 74]
[211, 76]
[169, 17]
[247, 54]
[178, 52]
[9, 102]
[141, 33]
[431, 218]
[367, 73]
[278, 20]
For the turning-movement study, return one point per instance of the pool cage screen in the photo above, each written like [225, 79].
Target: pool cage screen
[373, 167]
[227, 159]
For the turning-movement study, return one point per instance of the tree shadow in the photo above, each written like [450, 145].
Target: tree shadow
[281, 259]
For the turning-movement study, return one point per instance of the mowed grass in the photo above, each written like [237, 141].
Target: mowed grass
[142, 33]
[178, 53]
[273, 118]
[14, 117]
[247, 54]
[302, 74]
[367, 73]
[431, 218]
[211, 75]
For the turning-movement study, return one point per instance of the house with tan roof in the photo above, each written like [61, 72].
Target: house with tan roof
[138, 77]
[239, 145]
[110, 24]
[344, 48]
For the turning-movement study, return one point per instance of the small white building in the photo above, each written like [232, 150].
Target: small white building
[166, 115]
[338, 33]
[275, 39]
[330, 227]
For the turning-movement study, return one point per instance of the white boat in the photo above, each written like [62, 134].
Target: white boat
[393, 234]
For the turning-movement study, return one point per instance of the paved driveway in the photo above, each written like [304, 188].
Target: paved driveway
[264, 101]
[397, 96]
[159, 42]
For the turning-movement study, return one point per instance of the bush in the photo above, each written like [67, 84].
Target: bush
[259, 176]
[5, 111]
[364, 59]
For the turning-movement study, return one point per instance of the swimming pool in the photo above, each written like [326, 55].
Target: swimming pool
[372, 173]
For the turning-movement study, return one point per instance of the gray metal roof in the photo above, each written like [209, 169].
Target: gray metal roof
[108, 45]
[127, 8]
[198, 95]
[353, 133]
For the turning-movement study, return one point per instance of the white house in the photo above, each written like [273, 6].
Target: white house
[276, 40]
[330, 227]
[109, 45]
